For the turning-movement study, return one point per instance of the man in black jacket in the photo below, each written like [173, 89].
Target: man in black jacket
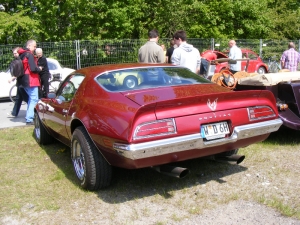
[21, 94]
[44, 74]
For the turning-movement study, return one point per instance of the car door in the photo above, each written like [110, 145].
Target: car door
[57, 111]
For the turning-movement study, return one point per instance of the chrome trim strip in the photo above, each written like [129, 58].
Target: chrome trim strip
[194, 141]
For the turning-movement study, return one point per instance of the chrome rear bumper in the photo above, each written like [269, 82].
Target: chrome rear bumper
[194, 141]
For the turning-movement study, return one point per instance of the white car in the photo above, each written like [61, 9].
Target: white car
[55, 69]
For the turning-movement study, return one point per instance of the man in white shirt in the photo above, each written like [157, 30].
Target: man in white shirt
[235, 53]
[185, 54]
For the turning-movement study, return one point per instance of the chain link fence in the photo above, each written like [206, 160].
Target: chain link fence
[78, 54]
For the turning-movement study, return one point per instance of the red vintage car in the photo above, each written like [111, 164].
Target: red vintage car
[149, 115]
[256, 65]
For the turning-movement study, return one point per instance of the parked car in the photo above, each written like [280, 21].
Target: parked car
[4, 85]
[285, 87]
[256, 65]
[55, 68]
[172, 115]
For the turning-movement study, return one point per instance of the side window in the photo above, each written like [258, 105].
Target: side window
[252, 56]
[51, 66]
[69, 87]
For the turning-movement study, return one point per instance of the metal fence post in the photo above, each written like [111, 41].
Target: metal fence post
[77, 45]
[212, 41]
[260, 47]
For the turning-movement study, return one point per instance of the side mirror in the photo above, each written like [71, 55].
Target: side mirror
[51, 95]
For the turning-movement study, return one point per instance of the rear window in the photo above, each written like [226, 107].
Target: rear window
[152, 77]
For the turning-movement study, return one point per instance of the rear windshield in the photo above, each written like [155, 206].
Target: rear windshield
[151, 77]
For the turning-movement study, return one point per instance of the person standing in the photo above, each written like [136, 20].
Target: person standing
[206, 57]
[44, 74]
[30, 81]
[290, 58]
[234, 53]
[21, 95]
[151, 52]
[170, 51]
[185, 54]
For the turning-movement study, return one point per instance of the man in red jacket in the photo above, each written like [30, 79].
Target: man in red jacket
[30, 81]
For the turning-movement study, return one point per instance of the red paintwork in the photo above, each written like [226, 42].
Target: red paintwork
[255, 61]
[112, 116]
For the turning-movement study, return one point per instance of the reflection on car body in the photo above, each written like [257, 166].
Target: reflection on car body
[170, 115]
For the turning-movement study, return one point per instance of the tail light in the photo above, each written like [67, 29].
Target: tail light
[155, 128]
[260, 112]
[282, 106]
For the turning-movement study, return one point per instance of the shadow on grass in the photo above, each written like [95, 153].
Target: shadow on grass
[128, 185]
[284, 136]
[135, 184]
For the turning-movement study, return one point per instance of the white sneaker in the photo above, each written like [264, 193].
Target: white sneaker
[10, 115]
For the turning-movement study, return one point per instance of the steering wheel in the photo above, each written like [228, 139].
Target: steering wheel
[225, 78]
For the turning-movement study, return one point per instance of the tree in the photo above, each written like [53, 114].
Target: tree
[16, 24]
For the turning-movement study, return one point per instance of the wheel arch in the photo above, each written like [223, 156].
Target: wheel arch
[78, 123]
[261, 65]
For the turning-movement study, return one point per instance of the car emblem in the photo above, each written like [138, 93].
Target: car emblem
[212, 105]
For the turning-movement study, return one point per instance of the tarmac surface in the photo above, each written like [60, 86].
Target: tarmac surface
[6, 121]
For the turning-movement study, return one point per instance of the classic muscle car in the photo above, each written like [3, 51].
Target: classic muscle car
[170, 116]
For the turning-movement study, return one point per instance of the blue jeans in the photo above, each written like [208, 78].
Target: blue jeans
[33, 97]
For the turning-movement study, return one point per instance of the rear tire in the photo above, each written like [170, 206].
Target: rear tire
[41, 135]
[92, 170]
[261, 70]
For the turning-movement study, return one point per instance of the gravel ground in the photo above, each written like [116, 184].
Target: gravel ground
[236, 212]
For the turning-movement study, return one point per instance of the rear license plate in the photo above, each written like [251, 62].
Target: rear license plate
[214, 130]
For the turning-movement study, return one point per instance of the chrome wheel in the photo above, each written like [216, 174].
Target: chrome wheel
[92, 170]
[78, 160]
[41, 135]
[37, 128]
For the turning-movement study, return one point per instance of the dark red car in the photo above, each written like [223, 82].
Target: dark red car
[256, 65]
[148, 115]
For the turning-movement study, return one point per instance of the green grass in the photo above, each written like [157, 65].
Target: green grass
[41, 179]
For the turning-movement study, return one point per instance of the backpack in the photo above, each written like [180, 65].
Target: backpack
[16, 68]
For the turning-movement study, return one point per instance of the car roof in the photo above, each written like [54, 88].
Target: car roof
[50, 59]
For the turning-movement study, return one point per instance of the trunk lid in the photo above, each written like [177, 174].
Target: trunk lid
[194, 99]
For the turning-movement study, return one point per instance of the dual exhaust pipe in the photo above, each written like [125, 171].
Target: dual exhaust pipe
[179, 172]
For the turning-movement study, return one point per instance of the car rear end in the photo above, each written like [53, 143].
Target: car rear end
[177, 115]
[192, 127]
